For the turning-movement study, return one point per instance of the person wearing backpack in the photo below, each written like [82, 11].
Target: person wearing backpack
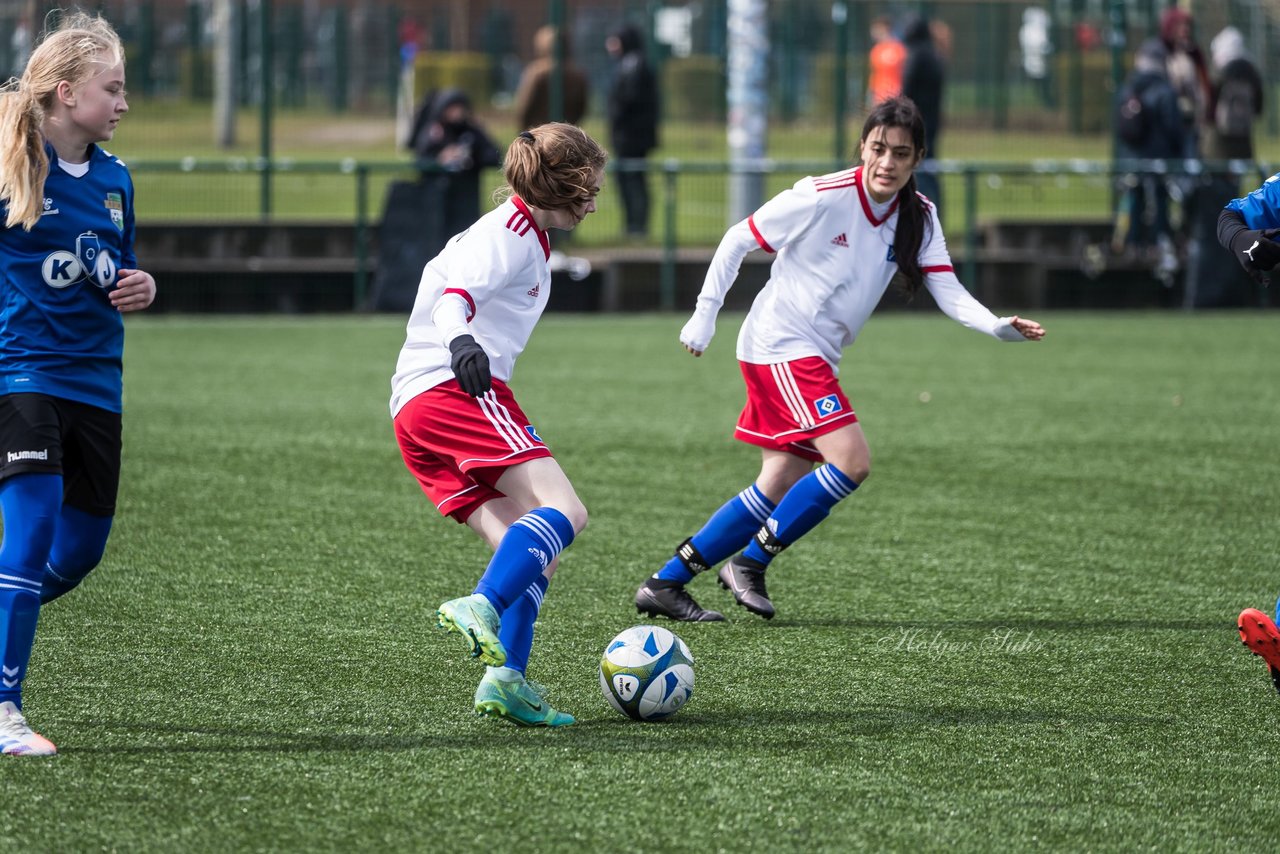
[1148, 126]
[1236, 99]
[1234, 106]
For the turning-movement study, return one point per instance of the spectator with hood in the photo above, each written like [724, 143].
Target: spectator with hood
[633, 122]
[1148, 127]
[1235, 100]
[453, 140]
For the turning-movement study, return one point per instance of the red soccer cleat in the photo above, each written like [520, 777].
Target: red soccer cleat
[1259, 633]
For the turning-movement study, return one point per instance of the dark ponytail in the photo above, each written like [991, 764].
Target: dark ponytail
[913, 218]
[909, 236]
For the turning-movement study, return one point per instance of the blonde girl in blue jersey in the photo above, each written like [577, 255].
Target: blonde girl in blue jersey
[840, 239]
[67, 272]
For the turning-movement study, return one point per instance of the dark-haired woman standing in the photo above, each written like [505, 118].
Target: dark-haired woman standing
[840, 240]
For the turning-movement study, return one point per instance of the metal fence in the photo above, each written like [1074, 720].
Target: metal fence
[1073, 201]
[1033, 65]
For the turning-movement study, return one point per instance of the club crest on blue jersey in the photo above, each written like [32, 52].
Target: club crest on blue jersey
[533, 434]
[828, 405]
[891, 257]
[115, 204]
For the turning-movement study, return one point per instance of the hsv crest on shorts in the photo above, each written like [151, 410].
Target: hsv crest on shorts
[828, 405]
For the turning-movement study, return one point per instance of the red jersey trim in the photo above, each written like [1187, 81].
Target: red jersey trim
[866, 203]
[764, 244]
[940, 268]
[471, 304]
[521, 228]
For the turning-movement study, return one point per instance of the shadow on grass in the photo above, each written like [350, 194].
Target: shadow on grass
[786, 729]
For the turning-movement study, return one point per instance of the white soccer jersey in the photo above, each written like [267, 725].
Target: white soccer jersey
[835, 260]
[491, 281]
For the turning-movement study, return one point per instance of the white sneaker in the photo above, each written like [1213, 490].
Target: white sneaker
[18, 739]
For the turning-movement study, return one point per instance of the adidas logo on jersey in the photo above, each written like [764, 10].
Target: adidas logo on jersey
[534, 291]
[840, 240]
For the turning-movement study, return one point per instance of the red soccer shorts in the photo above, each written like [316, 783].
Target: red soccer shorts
[457, 446]
[791, 403]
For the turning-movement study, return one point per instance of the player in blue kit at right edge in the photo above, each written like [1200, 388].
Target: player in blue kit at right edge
[1248, 228]
[67, 271]
[840, 240]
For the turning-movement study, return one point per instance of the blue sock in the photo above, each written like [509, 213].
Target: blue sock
[800, 510]
[531, 543]
[725, 532]
[77, 549]
[29, 504]
[516, 632]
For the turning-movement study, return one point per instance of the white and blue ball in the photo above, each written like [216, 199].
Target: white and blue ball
[646, 673]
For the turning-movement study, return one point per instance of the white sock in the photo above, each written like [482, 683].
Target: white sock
[504, 674]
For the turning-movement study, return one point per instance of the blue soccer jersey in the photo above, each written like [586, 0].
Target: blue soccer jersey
[59, 333]
[1261, 208]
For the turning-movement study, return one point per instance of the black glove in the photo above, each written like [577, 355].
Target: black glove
[471, 365]
[1256, 249]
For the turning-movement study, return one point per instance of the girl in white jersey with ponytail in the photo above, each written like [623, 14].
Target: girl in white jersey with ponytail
[461, 432]
[840, 240]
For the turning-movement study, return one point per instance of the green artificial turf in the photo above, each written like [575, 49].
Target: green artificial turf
[1018, 633]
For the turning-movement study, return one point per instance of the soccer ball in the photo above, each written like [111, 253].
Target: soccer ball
[646, 673]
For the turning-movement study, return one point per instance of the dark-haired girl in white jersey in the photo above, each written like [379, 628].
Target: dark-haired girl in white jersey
[461, 432]
[840, 240]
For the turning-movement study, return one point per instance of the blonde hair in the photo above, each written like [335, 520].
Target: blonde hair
[75, 52]
[553, 166]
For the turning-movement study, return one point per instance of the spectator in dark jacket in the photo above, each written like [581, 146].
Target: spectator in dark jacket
[454, 143]
[1143, 218]
[923, 78]
[633, 123]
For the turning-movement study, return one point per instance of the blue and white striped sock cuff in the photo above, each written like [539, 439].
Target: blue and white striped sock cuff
[835, 482]
[549, 527]
[757, 504]
[11, 580]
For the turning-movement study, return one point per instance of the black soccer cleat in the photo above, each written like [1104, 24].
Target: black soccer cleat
[673, 602]
[747, 586]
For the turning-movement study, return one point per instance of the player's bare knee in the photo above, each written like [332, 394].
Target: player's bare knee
[576, 513]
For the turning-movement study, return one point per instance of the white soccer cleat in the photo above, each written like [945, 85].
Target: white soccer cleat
[18, 739]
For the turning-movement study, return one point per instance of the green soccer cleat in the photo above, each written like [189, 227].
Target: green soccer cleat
[474, 618]
[519, 701]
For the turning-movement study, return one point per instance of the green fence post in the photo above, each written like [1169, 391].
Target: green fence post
[999, 69]
[970, 226]
[362, 236]
[667, 282]
[555, 94]
[840, 17]
[340, 70]
[264, 138]
[195, 26]
[146, 47]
